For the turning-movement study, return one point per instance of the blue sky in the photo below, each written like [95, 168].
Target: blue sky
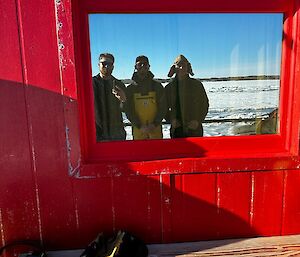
[217, 45]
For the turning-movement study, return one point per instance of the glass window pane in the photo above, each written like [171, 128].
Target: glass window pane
[230, 62]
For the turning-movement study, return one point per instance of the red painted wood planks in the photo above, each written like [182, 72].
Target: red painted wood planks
[136, 203]
[46, 121]
[291, 203]
[234, 199]
[170, 6]
[93, 207]
[41, 62]
[194, 207]
[19, 215]
[267, 202]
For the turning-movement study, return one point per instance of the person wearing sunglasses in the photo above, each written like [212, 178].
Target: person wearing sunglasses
[187, 101]
[145, 106]
[109, 98]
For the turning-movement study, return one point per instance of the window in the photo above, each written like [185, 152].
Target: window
[236, 57]
[270, 69]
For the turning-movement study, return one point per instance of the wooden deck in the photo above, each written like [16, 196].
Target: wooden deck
[258, 247]
[281, 246]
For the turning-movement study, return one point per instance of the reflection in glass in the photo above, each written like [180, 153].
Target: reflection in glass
[187, 101]
[146, 104]
[236, 57]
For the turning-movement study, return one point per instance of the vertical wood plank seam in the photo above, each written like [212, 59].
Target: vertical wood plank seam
[217, 200]
[2, 229]
[251, 213]
[161, 207]
[218, 193]
[113, 203]
[75, 202]
[59, 44]
[71, 171]
[283, 211]
[148, 205]
[166, 207]
[28, 116]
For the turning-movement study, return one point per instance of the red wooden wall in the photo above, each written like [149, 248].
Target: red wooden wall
[46, 195]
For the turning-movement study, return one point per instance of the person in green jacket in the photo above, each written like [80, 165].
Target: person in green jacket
[145, 105]
[187, 101]
[109, 96]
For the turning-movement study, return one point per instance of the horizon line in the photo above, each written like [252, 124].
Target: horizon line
[227, 78]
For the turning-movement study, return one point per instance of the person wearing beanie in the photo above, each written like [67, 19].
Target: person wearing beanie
[109, 96]
[145, 105]
[187, 101]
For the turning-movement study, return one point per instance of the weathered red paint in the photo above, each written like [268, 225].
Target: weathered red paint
[60, 187]
[206, 147]
[17, 191]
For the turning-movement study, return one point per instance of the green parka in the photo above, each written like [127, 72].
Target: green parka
[187, 101]
[108, 111]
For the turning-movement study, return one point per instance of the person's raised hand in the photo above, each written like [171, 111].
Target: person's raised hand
[119, 93]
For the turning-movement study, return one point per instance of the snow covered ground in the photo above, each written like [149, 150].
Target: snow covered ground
[233, 100]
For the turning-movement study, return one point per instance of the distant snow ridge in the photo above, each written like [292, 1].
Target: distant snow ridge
[241, 86]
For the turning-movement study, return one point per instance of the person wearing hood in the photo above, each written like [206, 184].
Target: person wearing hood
[187, 101]
[109, 97]
[145, 105]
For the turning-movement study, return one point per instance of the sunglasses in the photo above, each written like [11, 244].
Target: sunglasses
[107, 64]
[139, 65]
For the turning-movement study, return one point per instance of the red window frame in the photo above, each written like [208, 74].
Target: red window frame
[280, 151]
